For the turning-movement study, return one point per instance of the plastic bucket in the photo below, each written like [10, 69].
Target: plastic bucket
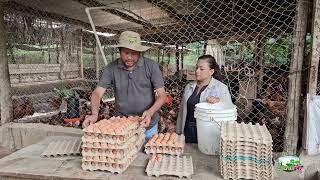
[209, 121]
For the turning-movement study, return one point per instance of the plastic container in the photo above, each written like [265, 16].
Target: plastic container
[209, 120]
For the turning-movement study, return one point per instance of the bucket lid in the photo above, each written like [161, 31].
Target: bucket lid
[216, 106]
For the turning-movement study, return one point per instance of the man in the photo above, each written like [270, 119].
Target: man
[135, 80]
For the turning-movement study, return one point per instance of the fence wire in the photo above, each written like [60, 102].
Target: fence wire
[55, 63]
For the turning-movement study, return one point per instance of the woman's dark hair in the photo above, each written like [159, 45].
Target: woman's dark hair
[213, 65]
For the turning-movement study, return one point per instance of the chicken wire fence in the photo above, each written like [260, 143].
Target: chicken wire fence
[55, 60]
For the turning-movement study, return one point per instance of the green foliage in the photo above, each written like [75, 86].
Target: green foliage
[63, 93]
[277, 50]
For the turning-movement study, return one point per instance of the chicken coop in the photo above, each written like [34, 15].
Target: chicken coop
[265, 50]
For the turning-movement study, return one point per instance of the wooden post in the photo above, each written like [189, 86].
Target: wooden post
[97, 60]
[293, 104]
[205, 47]
[181, 54]
[81, 56]
[112, 54]
[158, 55]
[177, 59]
[5, 88]
[313, 64]
[62, 57]
[259, 61]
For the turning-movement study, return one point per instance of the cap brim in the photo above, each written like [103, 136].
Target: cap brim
[135, 48]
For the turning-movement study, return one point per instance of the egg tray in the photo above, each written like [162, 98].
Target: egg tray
[248, 133]
[113, 126]
[62, 148]
[244, 144]
[252, 165]
[114, 153]
[180, 166]
[162, 145]
[246, 152]
[164, 150]
[112, 167]
[248, 175]
[112, 142]
[106, 159]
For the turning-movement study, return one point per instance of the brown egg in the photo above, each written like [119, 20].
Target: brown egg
[101, 158]
[100, 164]
[121, 166]
[100, 151]
[107, 151]
[86, 149]
[115, 151]
[93, 164]
[104, 145]
[96, 144]
[100, 136]
[114, 165]
[121, 138]
[95, 158]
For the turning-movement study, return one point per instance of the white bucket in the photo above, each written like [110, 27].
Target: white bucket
[209, 120]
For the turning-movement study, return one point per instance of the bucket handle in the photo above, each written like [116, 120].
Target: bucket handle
[212, 120]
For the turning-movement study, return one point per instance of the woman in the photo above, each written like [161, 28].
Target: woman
[207, 88]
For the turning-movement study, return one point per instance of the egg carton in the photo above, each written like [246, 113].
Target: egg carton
[245, 170]
[241, 159]
[112, 167]
[114, 126]
[245, 149]
[263, 155]
[106, 159]
[245, 144]
[112, 142]
[62, 148]
[248, 175]
[161, 143]
[249, 133]
[243, 167]
[245, 152]
[114, 139]
[180, 166]
[114, 153]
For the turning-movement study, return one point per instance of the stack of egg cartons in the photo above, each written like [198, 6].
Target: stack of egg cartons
[165, 150]
[112, 144]
[168, 143]
[245, 151]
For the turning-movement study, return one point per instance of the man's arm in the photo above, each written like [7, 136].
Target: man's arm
[160, 100]
[95, 106]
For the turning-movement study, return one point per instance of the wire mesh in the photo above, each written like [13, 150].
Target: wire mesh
[55, 62]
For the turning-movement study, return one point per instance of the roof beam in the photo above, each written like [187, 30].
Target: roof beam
[52, 16]
[93, 3]
[168, 9]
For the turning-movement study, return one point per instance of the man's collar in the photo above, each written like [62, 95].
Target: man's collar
[122, 66]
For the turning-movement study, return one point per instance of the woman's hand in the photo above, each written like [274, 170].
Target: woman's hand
[213, 99]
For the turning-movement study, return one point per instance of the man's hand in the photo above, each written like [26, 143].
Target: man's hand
[212, 99]
[90, 119]
[146, 119]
